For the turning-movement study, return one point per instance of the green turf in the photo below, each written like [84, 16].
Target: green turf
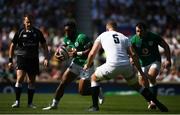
[78, 104]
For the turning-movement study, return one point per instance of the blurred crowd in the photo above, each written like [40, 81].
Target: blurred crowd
[161, 17]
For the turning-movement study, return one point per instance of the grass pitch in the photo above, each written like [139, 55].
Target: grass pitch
[76, 104]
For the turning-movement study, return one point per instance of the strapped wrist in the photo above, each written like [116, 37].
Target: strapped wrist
[79, 53]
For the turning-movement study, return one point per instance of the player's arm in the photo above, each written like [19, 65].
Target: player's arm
[164, 45]
[45, 48]
[46, 52]
[92, 54]
[135, 58]
[11, 54]
[132, 53]
[12, 48]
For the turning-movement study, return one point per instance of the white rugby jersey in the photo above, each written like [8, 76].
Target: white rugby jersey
[115, 46]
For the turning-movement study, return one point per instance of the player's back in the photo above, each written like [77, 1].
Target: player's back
[115, 46]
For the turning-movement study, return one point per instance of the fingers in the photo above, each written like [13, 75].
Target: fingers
[10, 65]
[45, 62]
[85, 67]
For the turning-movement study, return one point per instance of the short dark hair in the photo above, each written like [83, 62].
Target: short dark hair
[71, 24]
[112, 24]
[29, 16]
[141, 25]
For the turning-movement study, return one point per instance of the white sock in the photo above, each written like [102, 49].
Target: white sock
[17, 102]
[94, 84]
[54, 102]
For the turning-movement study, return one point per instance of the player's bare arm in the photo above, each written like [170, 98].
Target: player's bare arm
[92, 54]
[134, 56]
[11, 54]
[46, 54]
[167, 63]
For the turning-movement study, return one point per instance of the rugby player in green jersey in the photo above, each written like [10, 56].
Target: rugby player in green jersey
[146, 45]
[78, 45]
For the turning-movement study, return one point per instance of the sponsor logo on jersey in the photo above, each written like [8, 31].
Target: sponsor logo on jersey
[145, 52]
[24, 35]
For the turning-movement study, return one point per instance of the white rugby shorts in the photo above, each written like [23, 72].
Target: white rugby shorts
[106, 71]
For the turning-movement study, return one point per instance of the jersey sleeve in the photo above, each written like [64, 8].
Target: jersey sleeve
[85, 41]
[132, 39]
[15, 38]
[41, 38]
[158, 38]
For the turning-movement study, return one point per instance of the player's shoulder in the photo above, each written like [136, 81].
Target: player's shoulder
[154, 35]
[106, 33]
[133, 38]
[20, 30]
[36, 29]
[81, 35]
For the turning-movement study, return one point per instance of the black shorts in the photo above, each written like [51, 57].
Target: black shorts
[30, 65]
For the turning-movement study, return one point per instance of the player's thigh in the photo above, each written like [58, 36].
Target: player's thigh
[20, 75]
[154, 69]
[129, 75]
[108, 72]
[32, 67]
[86, 74]
[75, 69]
[68, 76]
[103, 72]
[84, 84]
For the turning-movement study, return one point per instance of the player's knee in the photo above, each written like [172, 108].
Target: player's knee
[18, 84]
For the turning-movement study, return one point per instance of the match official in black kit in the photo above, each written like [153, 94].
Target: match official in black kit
[26, 43]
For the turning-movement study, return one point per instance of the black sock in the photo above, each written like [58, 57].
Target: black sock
[153, 89]
[18, 93]
[147, 94]
[30, 95]
[95, 94]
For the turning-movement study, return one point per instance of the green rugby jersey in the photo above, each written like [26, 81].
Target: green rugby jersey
[147, 48]
[81, 43]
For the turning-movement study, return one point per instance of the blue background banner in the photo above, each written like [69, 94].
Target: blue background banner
[44, 87]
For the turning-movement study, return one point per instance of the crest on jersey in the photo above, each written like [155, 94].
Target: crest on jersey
[76, 44]
[145, 51]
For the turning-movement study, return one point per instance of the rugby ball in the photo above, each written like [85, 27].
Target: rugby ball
[61, 51]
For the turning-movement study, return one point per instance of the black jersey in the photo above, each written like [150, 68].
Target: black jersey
[27, 42]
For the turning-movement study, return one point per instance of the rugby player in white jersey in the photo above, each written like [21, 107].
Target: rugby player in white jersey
[117, 48]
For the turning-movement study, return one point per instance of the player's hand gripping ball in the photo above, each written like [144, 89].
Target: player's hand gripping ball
[61, 54]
